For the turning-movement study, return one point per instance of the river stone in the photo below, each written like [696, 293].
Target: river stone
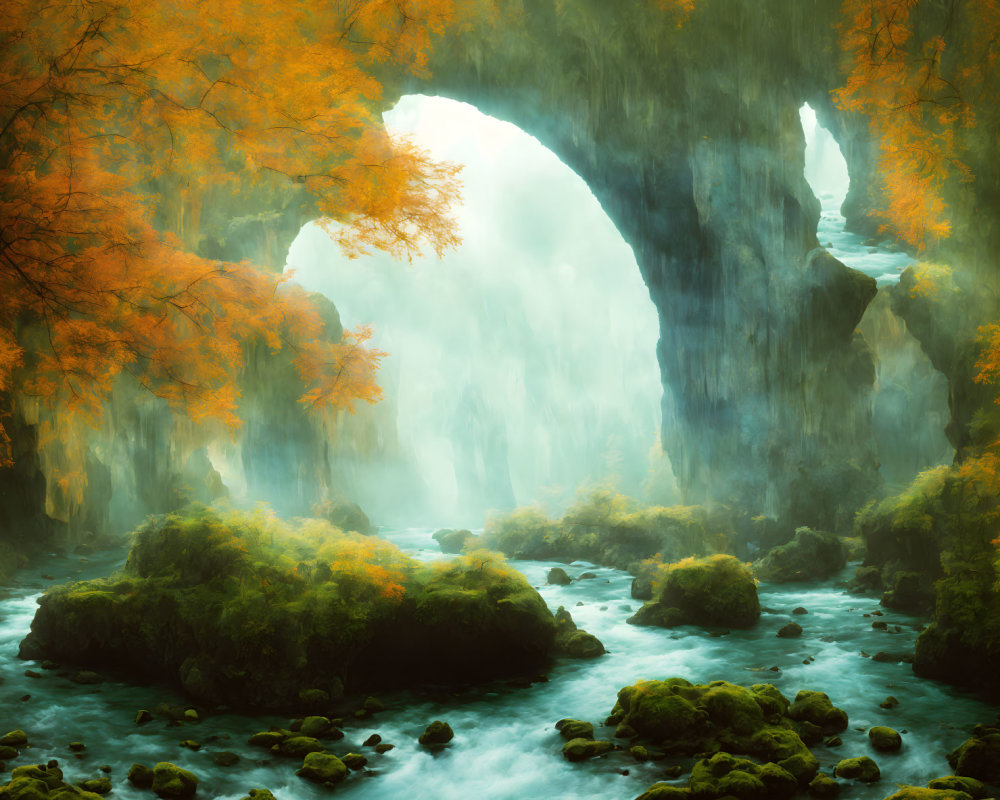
[582, 749]
[978, 757]
[437, 732]
[268, 739]
[16, 738]
[383, 747]
[824, 787]
[858, 769]
[372, 740]
[322, 768]
[142, 717]
[7, 753]
[354, 761]
[96, 785]
[815, 707]
[889, 703]
[314, 726]
[300, 746]
[140, 776]
[885, 739]
[170, 781]
[86, 677]
[259, 794]
[790, 630]
[639, 753]
[455, 541]
[558, 577]
[575, 729]
[972, 787]
[225, 758]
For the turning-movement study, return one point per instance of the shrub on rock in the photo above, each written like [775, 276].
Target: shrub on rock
[717, 590]
[810, 555]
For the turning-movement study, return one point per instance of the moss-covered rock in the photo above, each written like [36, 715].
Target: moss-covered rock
[884, 739]
[717, 590]
[437, 732]
[346, 515]
[665, 791]
[573, 642]
[41, 782]
[322, 768]
[612, 530]
[140, 776]
[455, 541]
[975, 789]
[259, 794]
[815, 707]
[858, 769]
[810, 555]
[575, 729]
[96, 785]
[684, 719]
[724, 774]
[978, 757]
[15, 738]
[302, 608]
[824, 787]
[582, 749]
[299, 746]
[314, 726]
[790, 630]
[354, 761]
[557, 576]
[170, 781]
[919, 793]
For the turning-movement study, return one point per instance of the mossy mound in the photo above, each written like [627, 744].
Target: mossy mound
[716, 590]
[610, 529]
[573, 642]
[972, 787]
[455, 541]
[810, 555]
[724, 775]
[861, 769]
[919, 793]
[248, 611]
[979, 756]
[933, 547]
[682, 718]
[41, 782]
[345, 515]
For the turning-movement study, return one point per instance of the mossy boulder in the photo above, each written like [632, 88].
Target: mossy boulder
[665, 791]
[96, 785]
[682, 718]
[885, 740]
[141, 776]
[573, 642]
[978, 757]
[41, 782]
[582, 749]
[455, 541]
[861, 769]
[315, 726]
[960, 783]
[437, 732]
[170, 781]
[724, 774]
[15, 738]
[790, 630]
[575, 729]
[322, 768]
[716, 590]
[300, 746]
[304, 606]
[810, 555]
[919, 793]
[824, 787]
[346, 515]
[354, 761]
[815, 707]
[557, 576]
[259, 794]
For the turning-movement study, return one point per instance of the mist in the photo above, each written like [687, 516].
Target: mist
[523, 365]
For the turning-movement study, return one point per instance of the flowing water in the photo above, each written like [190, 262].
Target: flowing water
[505, 745]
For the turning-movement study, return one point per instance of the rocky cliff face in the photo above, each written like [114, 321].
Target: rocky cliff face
[690, 138]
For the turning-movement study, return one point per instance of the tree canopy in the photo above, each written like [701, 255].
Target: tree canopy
[110, 107]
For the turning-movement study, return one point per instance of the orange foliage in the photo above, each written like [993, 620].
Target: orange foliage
[367, 566]
[105, 105]
[919, 97]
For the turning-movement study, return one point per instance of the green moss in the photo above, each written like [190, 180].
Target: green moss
[582, 749]
[976, 789]
[246, 610]
[716, 590]
[918, 793]
[815, 707]
[859, 769]
[771, 701]
[810, 555]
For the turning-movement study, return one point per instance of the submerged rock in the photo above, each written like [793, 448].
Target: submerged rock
[790, 630]
[810, 555]
[717, 590]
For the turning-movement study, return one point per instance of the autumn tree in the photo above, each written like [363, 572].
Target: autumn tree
[107, 107]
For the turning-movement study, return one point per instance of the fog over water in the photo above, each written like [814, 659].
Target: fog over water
[523, 365]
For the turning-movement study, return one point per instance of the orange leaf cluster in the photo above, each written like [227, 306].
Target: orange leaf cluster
[918, 96]
[105, 105]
